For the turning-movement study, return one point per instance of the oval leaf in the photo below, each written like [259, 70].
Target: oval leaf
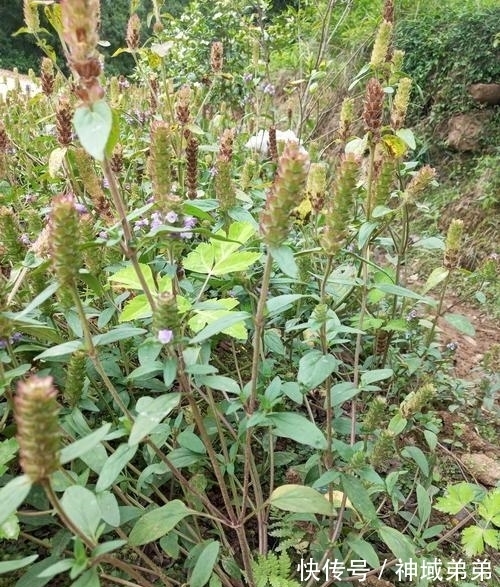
[12, 495]
[298, 428]
[93, 127]
[205, 565]
[158, 522]
[301, 500]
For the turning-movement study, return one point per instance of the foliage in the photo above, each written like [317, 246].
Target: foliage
[221, 361]
[464, 496]
[446, 53]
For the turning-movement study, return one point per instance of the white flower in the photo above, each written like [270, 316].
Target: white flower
[260, 141]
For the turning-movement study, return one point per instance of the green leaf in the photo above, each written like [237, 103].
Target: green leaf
[431, 243]
[398, 543]
[457, 498]
[414, 453]
[397, 290]
[365, 550]
[315, 367]
[110, 511]
[60, 350]
[90, 578]
[81, 506]
[423, 504]
[435, 278]
[408, 137]
[58, 567]
[93, 126]
[376, 375]
[301, 499]
[220, 325]
[10, 529]
[158, 522]
[106, 547]
[285, 260]
[473, 540]
[489, 508]
[220, 383]
[128, 279]
[119, 333]
[460, 323]
[204, 566]
[12, 496]
[279, 304]
[365, 233]
[9, 566]
[360, 498]
[83, 445]
[220, 256]
[235, 262]
[298, 428]
[397, 423]
[343, 392]
[136, 309]
[114, 466]
[150, 412]
[215, 310]
[189, 440]
[48, 292]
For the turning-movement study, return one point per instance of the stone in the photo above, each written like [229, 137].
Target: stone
[465, 130]
[485, 469]
[485, 93]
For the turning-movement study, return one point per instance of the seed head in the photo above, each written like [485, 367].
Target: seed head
[36, 411]
[453, 244]
[373, 107]
[133, 32]
[284, 194]
[400, 104]
[216, 56]
[381, 45]
[65, 240]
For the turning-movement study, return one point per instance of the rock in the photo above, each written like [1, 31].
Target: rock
[485, 469]
[486, 93]
[465, 130]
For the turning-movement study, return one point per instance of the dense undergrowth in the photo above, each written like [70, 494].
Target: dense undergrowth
[214, 369]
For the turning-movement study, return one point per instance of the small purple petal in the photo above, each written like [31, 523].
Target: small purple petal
[189, 222]
[171, 217]
[165, 336]
[80, 208]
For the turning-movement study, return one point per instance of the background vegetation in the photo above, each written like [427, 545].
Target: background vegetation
[224, 354]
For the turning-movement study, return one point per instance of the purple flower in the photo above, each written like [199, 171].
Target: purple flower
[3, 343]
[452, 346]
[213, 171]
[105, 182]
[171, 217]
[25, 239]
[165, 336]
[412, 314]
[150, 200]
[141, 224]
[189, 222]
[269, 89]
[103, 234]
[186, 235]
[16, 337]
[156, 220]
[80, 208]
[248, 77]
